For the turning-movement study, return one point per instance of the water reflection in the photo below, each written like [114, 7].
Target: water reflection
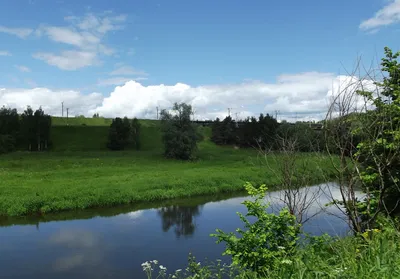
[113, 242]
[82, 247]
[181, 218]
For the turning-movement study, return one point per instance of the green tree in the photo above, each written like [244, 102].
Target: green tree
[379, 149]
[9, 129]
[119, 134]
[135, 133]
[179, 133]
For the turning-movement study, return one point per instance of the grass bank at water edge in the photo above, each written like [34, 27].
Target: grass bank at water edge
[38, 183]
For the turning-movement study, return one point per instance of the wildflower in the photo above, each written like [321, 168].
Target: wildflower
[281, 247]
[173, 276]
[155, 261]
[198, 263]
[163, 267]
[178, 270]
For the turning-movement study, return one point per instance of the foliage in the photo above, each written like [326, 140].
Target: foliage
[35, 129]
[304, 137]
[179, 133]
[9, 129]
[135, 133]
[120, 134]
[266, 242]
[379, 151]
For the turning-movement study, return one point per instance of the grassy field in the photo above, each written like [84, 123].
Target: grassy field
[56, 181]
[84, 174]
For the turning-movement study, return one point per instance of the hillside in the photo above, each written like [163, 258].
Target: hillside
[90, 134]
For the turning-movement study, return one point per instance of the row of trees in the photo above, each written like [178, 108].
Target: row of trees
[267, 133]
[29, 131]
[124, 133]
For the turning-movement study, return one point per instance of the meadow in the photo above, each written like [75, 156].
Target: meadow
[81, 173]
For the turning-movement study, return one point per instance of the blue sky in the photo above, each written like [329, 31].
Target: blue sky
[213, 54]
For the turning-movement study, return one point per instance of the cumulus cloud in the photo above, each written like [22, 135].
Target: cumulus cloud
[22, 68]
[389, 14]
[85, 35]
[50, 100]
[117, 81]
[5, 53]
[306, 95]
[19, 32]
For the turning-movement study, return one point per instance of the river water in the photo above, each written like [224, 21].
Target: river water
[112, 243]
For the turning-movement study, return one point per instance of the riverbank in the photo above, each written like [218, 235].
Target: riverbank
[39, 183]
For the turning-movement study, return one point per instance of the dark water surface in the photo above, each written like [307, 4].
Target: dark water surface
[112, 243]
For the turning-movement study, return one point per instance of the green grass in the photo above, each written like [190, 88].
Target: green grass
[55, 181]
[344, 258]
[90, 134]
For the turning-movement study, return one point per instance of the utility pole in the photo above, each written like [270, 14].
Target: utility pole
[276, 115]
[67, 112]
[62, 109]
[157, 112]
[229, 112]
[236, 115]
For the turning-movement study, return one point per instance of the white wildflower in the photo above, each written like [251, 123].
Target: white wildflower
[286, 261]
[163, 267]
[281, 247]
[178, 270]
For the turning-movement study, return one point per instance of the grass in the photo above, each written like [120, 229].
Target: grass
[38, 183]
[345, 258]
[84, 174]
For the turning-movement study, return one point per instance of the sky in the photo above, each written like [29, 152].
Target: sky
[126, 58]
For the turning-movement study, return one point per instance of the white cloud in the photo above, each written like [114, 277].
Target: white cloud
[69, 60]
[127, 71]
[85, 34]
[19, 32]
[5, 53]
[22, 68]
[305, 94]
[114, 81]
[50, 100]
[389, 14]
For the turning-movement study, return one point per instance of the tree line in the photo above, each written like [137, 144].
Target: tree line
[265, 132]
[28, 131]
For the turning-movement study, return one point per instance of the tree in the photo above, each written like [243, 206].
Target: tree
[96, 115]
[135, 133]
[9, 129]
[119, 134]
[35, 129]
[179, 133]
[363, 129]
[267, 130]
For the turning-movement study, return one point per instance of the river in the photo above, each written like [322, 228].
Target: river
[112, 243]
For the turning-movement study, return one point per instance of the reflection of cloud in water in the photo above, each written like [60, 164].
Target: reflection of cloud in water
[81, 246]
[74, 239]
[135, 214]
[69, 262]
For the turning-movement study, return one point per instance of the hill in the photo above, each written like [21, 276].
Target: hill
[90, 134]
